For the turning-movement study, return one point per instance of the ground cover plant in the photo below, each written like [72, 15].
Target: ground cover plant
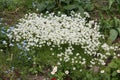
[67, 45]
[72, 44]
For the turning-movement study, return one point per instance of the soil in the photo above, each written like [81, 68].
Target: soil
[11, 17]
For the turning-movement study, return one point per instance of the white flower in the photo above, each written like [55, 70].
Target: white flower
[92, 62]
[74, 68]
[58, 63]
[51, 49]
[4, 42]
[103, 63]
[107, 53]
[60, 59]
[77, 54]
[114, 57]
[54, 70]
[87, 15]
[1, 50]
[53, 54]
[105, 47]
[11, 44]
[37, 9]
[66, 72]
[76, 61]
[102, 71]
[80, 70]
[118, 71]
[118, 55]
[52, 73]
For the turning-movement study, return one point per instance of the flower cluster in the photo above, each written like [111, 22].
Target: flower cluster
[74, 30]
[54, 70]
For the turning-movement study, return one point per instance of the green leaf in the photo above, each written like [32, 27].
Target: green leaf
[80, 9]
[118, 29]
[8, 59]
[110, 3]
[113, 65]
[41, 6]
[50, 5]
[31, 69]
[89, 7]
[78, 1]
[116, 22]
[89, 76]
[118, 1]
[65, 1]
[114, 73]
[70, 7]
[113, 35]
